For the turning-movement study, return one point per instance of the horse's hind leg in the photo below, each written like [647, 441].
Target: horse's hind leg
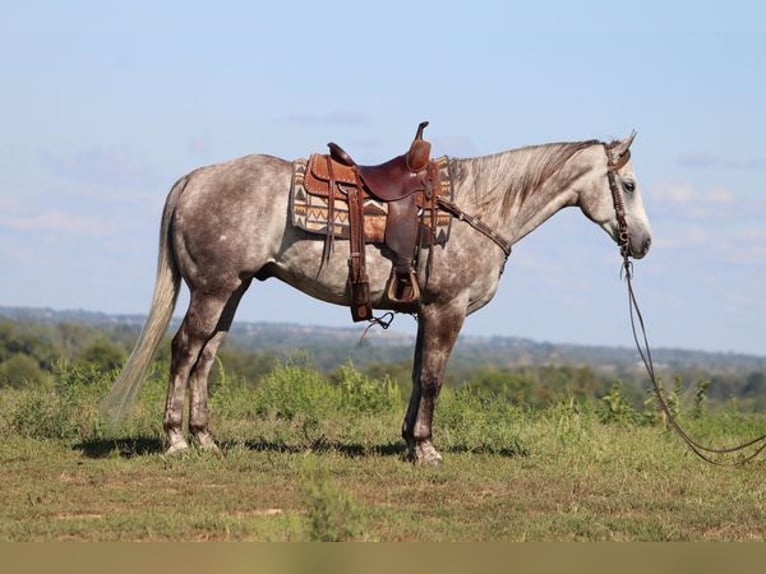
[193, 352]
[438, 329]
[198, 414]
[198, 382]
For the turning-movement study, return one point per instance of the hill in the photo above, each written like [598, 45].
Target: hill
[330, 346]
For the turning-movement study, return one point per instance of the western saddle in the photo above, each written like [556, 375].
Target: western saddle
[409, 185]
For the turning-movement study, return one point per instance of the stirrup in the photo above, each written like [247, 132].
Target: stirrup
[403, 291]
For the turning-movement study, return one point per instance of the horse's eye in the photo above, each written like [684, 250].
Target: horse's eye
[629, 186]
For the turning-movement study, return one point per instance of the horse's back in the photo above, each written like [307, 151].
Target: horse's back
[230, 216]
[241, 190]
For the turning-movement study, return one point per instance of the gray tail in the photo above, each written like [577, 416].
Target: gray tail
[167, 284]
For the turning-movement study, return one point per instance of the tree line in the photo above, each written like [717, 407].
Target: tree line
[31, 353]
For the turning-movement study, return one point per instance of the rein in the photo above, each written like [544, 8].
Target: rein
[644, 350]
[646, 356]
[476, 223]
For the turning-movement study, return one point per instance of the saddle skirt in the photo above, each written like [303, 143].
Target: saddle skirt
[309, 200]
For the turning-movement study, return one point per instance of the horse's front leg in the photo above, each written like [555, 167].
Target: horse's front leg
[438, 329]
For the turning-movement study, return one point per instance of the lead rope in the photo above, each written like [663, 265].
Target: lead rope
[623, 241]
[646, 357]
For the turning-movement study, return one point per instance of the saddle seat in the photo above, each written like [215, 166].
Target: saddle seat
[398, 177]
[406, 183]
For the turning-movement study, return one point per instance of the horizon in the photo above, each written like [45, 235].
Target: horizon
[106, 106]
[379, 333]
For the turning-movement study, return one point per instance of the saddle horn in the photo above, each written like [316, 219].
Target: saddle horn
[421, 126]
[420, 150]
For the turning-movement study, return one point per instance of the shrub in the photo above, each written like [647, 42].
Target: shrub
[469, 418]
[616, 409]
[104, 354]
[293, 389]
[231, 397]
[361, 394]
[68, 410]
[20, 370]
[331, 512]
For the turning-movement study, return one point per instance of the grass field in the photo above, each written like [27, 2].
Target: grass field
[304, 459]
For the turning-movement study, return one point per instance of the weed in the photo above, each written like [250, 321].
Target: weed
[332, 513]
[476, 420]
[360, 394]
[68, 410]
[701, 397]
[291, 390]
[618, 409]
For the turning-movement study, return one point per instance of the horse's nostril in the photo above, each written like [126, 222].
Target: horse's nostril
[647, 244]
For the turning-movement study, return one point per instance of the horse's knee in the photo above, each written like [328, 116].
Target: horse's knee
[430, 386]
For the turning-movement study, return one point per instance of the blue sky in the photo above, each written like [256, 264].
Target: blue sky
[103, 105]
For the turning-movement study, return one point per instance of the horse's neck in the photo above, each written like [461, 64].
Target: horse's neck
[518, 190]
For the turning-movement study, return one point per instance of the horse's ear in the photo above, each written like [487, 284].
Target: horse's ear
[621, 147]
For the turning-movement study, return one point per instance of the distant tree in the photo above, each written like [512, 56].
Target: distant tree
[104, 354]
[21, 370]
[35, 341]
[726, 386]
[71, 338]
[755, 390]
[755, 384]
[250, 366]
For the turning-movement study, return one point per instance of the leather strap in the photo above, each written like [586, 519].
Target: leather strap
[330, 237]
[359, 285]
[612, 165]
[476, 223]
[433, 186]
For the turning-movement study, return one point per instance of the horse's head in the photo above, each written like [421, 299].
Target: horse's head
[612, 199]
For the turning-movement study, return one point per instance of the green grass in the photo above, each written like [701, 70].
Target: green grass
[306, 459]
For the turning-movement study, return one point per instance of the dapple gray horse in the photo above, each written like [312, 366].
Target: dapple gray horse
[227, 224]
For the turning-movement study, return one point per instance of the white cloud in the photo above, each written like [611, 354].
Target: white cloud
[683, 201]
[745, 246]
[705, 160]
[712, 242]
[8, 204]
[336, 117]
[200, 145]
[456, 145]
[754, 234]
[677, 193]
[721, 195]
[116, 166]
[682, 237]
[685, 194]
[18, 252]
[57, 222]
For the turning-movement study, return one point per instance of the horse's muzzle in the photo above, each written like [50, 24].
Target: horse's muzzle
[642, 250]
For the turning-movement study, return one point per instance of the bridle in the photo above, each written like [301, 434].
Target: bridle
[623, 241]
[612, 166]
